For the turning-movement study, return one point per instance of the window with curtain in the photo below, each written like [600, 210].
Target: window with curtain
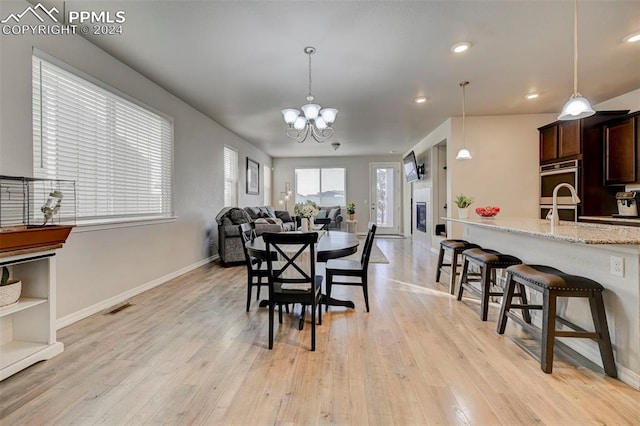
[267, 184]
[230, 177]
[324, 186]
[119, 152]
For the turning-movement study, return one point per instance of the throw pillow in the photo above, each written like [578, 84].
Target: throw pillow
[333, 213]
[237, 216]
[322, 214]
[254, 212]
[270, 212]
[284, 216]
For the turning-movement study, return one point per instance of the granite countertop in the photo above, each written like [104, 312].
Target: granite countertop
[621, 220]
[573, 232]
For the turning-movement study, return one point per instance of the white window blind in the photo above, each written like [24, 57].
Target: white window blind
[267, 185]
[119, 153]
[230, 177]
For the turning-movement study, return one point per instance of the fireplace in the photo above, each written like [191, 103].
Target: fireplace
[421, 217]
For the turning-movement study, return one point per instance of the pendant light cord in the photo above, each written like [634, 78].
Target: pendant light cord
[464, 137]
[310, 74]
[575, 48]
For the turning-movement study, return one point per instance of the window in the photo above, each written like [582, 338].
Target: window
[119, 152]
[325, 187]
[267, 185]
[230, 177]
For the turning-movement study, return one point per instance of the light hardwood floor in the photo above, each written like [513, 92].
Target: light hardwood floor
[188, 353]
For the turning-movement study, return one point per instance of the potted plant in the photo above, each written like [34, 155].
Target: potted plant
[307, 211]
[463, 202]
[351, 210]
[9, 289]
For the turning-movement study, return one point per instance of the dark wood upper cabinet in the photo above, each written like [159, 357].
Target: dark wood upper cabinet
[548, 143]
[569, 138]
[620, 152]
[560, 141]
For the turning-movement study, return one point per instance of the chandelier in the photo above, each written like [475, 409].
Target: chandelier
[314, 121]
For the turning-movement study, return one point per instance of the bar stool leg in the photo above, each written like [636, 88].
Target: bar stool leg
[440, 260]
[523, 300]
[454, 272]
[463, 276]
[548, 330]
[486, 289]
[604, 340]
[506, 303]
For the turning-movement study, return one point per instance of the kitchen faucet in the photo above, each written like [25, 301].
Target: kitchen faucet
[554, 209]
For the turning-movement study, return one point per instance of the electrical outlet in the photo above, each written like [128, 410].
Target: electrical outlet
[617, 266]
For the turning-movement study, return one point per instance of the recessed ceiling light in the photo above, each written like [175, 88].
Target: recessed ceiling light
[532, 95]
[461, 47]
[632, 38]
[421, 99]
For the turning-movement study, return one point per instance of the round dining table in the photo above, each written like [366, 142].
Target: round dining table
[331, 245]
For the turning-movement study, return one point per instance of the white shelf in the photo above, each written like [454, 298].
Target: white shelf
[18, 355]
[23, 303]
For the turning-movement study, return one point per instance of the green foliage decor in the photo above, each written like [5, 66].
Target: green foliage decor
[462, 201]
[351, 208]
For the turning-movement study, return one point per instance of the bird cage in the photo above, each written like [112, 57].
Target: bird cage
[35, 212]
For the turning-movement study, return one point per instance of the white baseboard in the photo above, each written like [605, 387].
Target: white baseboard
[107, 303]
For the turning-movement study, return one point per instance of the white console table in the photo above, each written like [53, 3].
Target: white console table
[27, 328]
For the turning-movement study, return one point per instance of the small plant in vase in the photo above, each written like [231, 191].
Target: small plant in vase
[307, 211]
[463, 202]
[9, 289]
[351, 210]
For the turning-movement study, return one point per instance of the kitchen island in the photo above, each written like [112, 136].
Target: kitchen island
[609, 254]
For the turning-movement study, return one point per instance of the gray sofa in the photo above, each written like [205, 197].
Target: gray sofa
[333, 213]
[266, 219]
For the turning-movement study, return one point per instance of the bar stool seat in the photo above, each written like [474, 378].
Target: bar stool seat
[456, 247]
[554, 283]
[488, 261]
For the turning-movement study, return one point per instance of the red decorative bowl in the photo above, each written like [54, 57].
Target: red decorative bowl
[489, 211]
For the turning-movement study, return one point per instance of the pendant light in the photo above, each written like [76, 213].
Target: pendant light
[577, 107]
[464, 153]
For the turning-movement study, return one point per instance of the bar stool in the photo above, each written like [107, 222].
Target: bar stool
[553, 283]
[456, 247]
[488, 261]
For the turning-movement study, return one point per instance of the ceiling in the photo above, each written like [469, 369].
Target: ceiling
[241, 62]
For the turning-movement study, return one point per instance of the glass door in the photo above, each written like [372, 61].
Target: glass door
[385, 197]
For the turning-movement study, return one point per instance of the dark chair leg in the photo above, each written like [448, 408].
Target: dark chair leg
[604, 341]
[463, 276]
[259, 287]
[329, 283]
[454, 272]
[319, 305]
[248, 292]
[280, 313]
[313, 326]
[506, 303]
[271, 309]
[526, 315]
[548, 330]
[365, 290]
[486, 289]
[440, 260]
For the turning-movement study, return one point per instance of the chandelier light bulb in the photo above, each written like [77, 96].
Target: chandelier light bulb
[320, 123]
[329, 115]
[290, 115]
[300, 123]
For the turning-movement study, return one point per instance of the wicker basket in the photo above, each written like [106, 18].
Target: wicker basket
[10, 293]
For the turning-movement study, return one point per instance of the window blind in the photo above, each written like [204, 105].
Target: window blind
[119, 153]
[230, 177]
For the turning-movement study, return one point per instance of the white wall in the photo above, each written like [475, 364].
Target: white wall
[95, 267]
[630, 101]
[357, 177]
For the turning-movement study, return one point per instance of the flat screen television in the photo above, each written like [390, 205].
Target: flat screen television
[410, 167]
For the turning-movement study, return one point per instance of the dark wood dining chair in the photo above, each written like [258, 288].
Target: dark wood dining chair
[256, 267]
[292, 278]
[352, 268]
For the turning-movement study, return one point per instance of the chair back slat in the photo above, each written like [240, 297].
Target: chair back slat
[296, 258]
[368, 245]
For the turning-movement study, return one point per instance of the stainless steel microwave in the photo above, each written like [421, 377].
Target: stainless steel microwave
[553, 174]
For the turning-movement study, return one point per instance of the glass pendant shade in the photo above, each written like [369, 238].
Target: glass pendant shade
[463, 154]
[320, 123]
[290, 115]
[329, 115]
[311, 111]
[576, 108]
[299, 123]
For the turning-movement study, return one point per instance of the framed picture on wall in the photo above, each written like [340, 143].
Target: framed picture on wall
[253, 177]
